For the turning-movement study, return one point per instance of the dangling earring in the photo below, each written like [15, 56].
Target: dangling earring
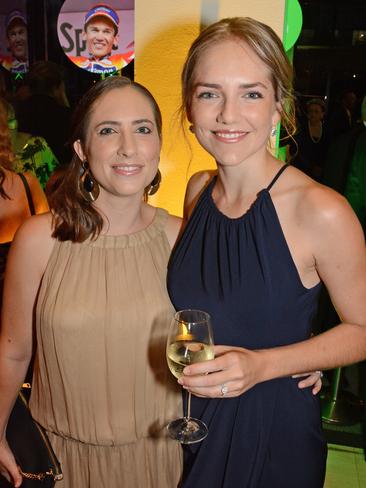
[273, 131]
[191, 128]
[88, 185]
[154, 185]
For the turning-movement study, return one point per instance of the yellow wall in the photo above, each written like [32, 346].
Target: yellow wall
[164, 32]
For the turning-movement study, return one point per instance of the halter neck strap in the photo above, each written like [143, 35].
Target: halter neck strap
[277, 175]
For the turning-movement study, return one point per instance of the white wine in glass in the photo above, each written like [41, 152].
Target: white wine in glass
[190, 341]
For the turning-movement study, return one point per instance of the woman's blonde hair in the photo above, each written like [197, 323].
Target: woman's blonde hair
[266, 45]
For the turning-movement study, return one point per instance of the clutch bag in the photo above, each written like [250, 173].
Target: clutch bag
[32, 450]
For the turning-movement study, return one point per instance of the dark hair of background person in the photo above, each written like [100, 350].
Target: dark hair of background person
[75, 219]
[46, 112]
[316, 101]
[45, 77]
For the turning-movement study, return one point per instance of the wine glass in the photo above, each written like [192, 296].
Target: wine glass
[190, 341]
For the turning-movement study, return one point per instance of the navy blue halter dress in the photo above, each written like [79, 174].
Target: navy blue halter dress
[241, 272]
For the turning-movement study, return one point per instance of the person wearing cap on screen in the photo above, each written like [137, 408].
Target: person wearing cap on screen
[17, 39]
[101, 36]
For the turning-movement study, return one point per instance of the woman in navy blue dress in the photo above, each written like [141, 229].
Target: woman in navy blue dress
[261, 237]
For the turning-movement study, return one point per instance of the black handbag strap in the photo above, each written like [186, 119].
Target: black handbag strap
[29, 194]
[31, 447]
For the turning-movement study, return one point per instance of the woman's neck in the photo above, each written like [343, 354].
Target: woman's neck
[315, 131]
[315, 123]
[238, 186]
[124, 215]
[248, 177]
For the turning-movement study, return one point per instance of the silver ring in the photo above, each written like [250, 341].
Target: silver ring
[321, 374]
[224, 389]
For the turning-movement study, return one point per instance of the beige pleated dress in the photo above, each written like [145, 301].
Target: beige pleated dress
[102, 388]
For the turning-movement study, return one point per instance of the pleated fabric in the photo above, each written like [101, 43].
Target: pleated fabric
[102, 388]
[241, 272]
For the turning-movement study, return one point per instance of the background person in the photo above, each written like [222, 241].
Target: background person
[355, 192]
[48, 100]
[14, 208]
[309, 146]
[342, 117]
[355, 188]
[17, 39]
[260, 239]
[97, 279]
[31, 153]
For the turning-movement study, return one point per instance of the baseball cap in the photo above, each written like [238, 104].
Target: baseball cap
[15, 15]
[102, 11]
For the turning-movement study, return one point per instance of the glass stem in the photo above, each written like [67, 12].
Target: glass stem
[188, 416]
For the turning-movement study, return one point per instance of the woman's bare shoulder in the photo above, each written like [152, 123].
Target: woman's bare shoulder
[35, 234]
[38, 196]
[173, 228]
[31, 178]
[27, 261]
[199, 180]
[38, 223]
[196, 184]
[317, 206]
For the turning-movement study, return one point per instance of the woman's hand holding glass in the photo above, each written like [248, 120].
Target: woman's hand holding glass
[234, 371]
[190, 341]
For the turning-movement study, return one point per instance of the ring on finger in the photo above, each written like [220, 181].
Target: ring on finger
[224, 389]
[320, 373]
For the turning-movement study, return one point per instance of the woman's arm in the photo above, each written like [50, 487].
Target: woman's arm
[27, 260]
[339, 255]
[340, 260]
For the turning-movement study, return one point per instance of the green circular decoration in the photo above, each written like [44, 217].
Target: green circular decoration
[293, 23]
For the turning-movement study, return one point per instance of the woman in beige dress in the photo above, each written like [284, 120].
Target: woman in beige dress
[97, 278]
